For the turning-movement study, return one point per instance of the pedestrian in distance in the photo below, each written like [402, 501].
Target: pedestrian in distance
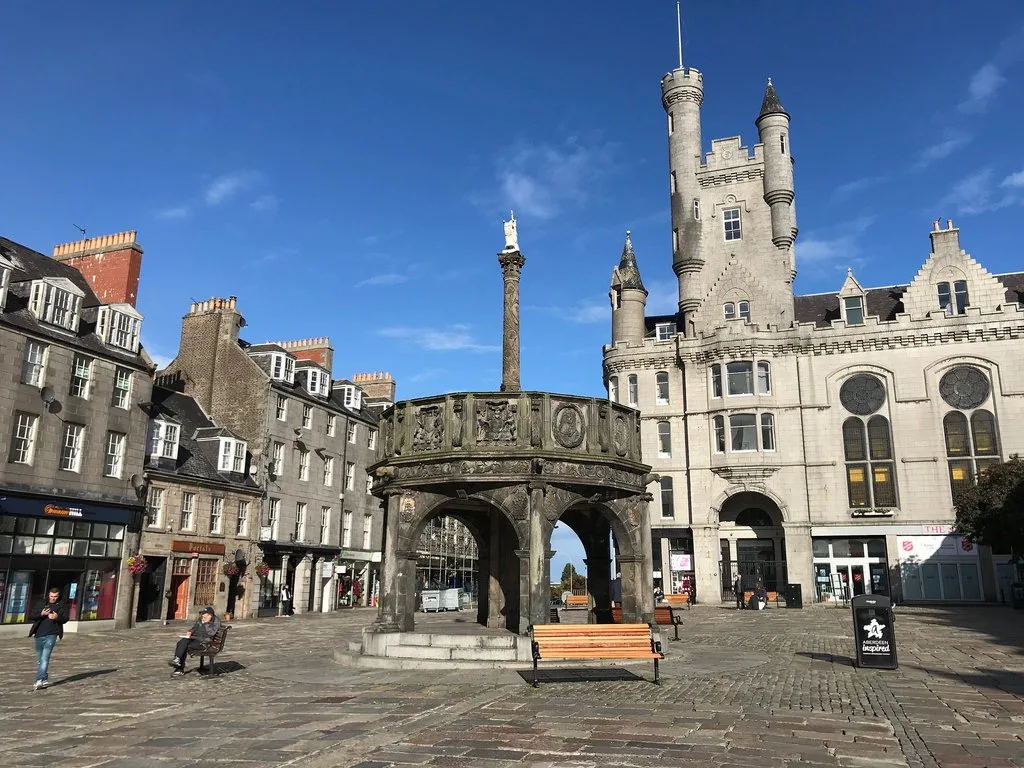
[47, 629]
[197, 639]
[737, 589]
[286, 600]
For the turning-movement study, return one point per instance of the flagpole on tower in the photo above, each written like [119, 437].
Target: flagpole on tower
[679, 31]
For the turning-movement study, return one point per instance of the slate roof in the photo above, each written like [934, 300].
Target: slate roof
[31, 265]
[196, 460]
[771, 104]
[629, 272]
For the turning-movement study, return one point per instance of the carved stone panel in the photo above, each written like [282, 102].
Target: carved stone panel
[496, 421]
[535, 437]
[407, 507]
[620, 436]
[458, 422]
[429, 434]
[568, 426]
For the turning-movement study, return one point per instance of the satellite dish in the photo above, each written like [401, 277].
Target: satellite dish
[47, 394]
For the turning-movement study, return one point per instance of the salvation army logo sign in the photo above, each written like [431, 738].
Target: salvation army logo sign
[965, 545]
[908, 546]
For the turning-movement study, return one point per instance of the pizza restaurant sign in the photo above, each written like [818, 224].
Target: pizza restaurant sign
[56, 510]
[197, 547]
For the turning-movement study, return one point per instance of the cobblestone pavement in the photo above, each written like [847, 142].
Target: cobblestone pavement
[769, 689]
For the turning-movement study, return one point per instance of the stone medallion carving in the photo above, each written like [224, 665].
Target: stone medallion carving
[964, 387]
[620, 436]
[496, 421]
[863, 394]
[567, 425]
[429, 432]
[407, 508]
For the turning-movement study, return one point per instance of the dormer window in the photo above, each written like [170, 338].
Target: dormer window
[118, 325]
[282, 367]
[232, 455]
[953, 298]
[664, 331]
[163, 440]
[853, 310]
[57, 301]
[5, 280]
[352, 397]
[317, 382]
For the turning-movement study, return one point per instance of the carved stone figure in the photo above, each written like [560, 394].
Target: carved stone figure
[511, 233]
[567, 425]
[620, 436]
[459, 422]
[429, 434]
[407, 507]
[535, 437]
[496, 421]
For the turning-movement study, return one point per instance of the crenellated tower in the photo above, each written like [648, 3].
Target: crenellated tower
[628, 297]
[773, 131]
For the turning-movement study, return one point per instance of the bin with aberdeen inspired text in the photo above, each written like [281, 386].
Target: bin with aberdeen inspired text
[874, 638]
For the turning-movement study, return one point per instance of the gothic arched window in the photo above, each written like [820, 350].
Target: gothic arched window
[970, 432]
[870, 468]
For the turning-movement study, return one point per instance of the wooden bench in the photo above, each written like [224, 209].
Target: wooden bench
[594, 641]
[211, 649]
[577, 601]
[664, 615]
[773, 597]
[678, 601]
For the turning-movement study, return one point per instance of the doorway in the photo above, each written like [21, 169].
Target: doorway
[151, 591]
[180, 583]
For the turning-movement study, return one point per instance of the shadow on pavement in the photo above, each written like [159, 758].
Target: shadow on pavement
[843, 661]
[566, 675]
[82, 676]
[992, 679]
[223, 668]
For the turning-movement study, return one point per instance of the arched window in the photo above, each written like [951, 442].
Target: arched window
[613, 389]
[661, 383]
[752, 517]
[664, 440]
[632, 393]
[870, 468]
[744, 310]
[667, 499]
[730, 310]
[972, 445]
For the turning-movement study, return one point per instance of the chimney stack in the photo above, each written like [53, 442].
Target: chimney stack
[378, 387]
[317, 350]
[110, 263]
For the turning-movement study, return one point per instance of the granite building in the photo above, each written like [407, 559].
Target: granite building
[71, 486]
[816, 439]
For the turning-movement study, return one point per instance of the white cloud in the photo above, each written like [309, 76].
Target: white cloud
[227, 186]
[851, 188]
[597, 312]
[541, 180]
[662, 297]
[990, 76]
[977, 193]
[1013, 180]
[452, 338]
[940, 150]
[386, 278]
[837, 248]
[176, 212]
[264, 204]
[159, 356]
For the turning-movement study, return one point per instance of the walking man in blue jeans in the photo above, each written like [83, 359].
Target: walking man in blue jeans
[47, 628]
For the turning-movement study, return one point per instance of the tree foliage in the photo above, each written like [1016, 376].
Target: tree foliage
[992, 512]
[579, 581]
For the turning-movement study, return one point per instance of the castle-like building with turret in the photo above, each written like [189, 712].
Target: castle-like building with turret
[809, 440]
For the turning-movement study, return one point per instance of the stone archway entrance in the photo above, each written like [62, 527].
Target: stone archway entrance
[753, 544]
[510, 466]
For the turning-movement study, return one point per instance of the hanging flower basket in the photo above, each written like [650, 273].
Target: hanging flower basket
[231, 569]
[136, 564]
[262, 569]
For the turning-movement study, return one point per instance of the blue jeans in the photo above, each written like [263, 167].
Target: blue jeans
[44, 647]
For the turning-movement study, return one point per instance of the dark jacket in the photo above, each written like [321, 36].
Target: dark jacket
[204, 632]
[44, 625]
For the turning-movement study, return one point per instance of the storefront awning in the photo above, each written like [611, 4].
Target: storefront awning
[300, 548]
[69, 509]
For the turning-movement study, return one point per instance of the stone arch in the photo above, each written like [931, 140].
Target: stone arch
[760, 490]
[834, 380]
[752, 522]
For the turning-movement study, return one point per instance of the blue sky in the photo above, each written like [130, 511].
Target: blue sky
[344, 168]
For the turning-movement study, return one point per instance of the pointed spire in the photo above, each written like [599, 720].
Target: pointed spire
[771, 104]
[628, 272]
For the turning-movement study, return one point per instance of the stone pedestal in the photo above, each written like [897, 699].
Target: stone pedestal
[706, 550]
[799, 568]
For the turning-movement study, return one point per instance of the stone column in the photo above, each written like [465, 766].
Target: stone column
[285, 564]
[387, 610]
[799, 568]
[540, 561]
[706, 556]
[495, 594]
[511, 261]
[405, 588]
[317, 582]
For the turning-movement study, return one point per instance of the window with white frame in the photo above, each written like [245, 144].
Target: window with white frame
[122, 394]
[764, 378]
[33, 366]
[57, 301]
[661, 388]
[350, 476]
[853, 310]
[278, 459]
[369, 483]
[303, 465]
[325, 524]
[664, 440]
[300, 521]
[188, 512]
[718, 433]
[113, 461]
[155, 508]
[163, 439]
[613, 388]
[767, 432]
[317, 382]
[6, 268]
[352, 397]
[632, 393]
[742, 432]
[238, 461]
[216, 514]
[665, 331]
[371, 439]
[953, 297]
[672, 182]
[729, 310]
[118, 325]
[731, 223]
[81, 374]
[242, 521]
[274, 517]
[232, 455]
[282, 408]
[346, 529]
[367, 530]
[743, 310]
[747, 432]
[332, 424]
[225, 456]
[71, 447]
[307, 416]
[743, 377]
[667, 498]
[23, 440]
[282, 367]
[328, 470]
[716, 380]
[350, 433]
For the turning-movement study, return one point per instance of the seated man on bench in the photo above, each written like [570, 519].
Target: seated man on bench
[198, 638]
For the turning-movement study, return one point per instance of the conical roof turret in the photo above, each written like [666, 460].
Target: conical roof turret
[628, 273]
[771, 104]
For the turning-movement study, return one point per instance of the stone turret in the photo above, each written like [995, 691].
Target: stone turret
[773, 131]
[628, 297]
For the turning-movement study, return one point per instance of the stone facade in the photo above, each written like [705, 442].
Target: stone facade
[810, 439]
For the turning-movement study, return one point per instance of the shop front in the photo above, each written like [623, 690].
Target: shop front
[77, 547]
[847, 566]
[939, 568]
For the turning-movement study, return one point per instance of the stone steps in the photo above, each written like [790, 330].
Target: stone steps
[427, 650]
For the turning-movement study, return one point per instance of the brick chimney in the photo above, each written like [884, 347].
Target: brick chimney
[378, 387]
[110, 263]
[208, 350]
[317, 350]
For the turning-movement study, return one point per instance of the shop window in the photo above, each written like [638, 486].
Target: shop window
[819, 547]
[206, 582]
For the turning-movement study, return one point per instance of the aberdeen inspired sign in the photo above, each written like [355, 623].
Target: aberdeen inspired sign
[873, 635]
